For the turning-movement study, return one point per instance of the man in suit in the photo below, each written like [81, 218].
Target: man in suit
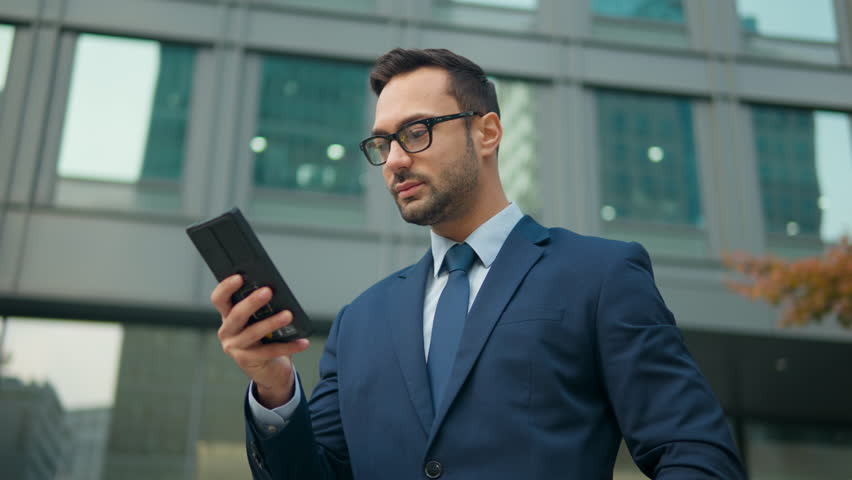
[528, 354]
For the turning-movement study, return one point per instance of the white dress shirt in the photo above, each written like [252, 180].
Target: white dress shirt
[486, 241]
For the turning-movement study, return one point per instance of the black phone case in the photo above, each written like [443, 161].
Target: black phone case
[229, 246]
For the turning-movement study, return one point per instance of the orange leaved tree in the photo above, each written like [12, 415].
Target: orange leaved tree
[808, 289]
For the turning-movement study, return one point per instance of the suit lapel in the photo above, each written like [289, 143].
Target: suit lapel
[405, 316]
[517, 256]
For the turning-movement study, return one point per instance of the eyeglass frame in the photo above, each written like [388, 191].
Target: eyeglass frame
[429, 122]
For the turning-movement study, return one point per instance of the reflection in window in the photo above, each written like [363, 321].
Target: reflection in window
[517, 15]
[127, 110]
[647, 159]
[56, 397]
[804, 160]
[811, 20]
[85, 400]
[311, 117]
[7, 34]
[797, 452]
[660, 10]
[518, 157]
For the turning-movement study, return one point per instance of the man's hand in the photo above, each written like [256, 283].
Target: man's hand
[268, 365]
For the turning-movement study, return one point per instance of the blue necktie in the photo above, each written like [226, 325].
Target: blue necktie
[450, 316]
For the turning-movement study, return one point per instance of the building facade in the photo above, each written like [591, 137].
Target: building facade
[34, 438]
[696, 128]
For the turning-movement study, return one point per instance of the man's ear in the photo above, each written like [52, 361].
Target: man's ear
[491, 132]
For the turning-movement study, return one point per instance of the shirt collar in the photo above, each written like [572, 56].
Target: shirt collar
[486, 241]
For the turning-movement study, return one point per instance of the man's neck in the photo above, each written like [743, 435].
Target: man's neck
[460, 228]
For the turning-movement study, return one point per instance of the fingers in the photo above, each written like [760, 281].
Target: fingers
[221, 296]
[246, 347]
[253, 333]
[268, 351]
[239, 315]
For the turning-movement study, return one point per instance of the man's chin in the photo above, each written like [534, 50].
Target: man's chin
[414, 211]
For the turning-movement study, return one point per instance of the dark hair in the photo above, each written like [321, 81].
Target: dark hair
[468, 83]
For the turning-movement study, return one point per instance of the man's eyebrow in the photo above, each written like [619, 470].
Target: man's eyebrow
[410, 118]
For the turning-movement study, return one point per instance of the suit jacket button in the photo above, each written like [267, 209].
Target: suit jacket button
[433, 469]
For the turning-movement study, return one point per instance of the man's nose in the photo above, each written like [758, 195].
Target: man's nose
[398, 158]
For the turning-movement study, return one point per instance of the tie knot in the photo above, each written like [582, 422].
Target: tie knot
[459, 257]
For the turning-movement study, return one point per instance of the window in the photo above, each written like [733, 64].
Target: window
[92, 400]
[789, 28]
[344, 5]
[812, 20]
[659, 10]
[797, 451]
[57, 396]
[650, 22]
[311, 117]
[804, 161]
[518, 156]
[518, 4]
[125, 121]
[647, 159]
[504, 14]
[7, 34]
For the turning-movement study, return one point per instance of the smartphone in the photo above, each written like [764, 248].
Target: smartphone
[229, 246]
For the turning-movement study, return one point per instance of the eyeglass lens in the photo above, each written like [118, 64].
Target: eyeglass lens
[412, 138]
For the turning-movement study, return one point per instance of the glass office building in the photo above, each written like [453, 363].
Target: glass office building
[696, 128]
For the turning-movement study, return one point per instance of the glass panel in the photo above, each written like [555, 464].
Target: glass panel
[91, 400]
[661, 10]
[127, 110]
[785, 452]
[647, 22]
[311, 117]
[518, 15]
[518, 157]
[351, 5]
[125, 122]
[812, 20]
[7, 35]
[220, 450]
[647, 159]
[518, 4]
[155, 410]
[85, 400]
[804, 160]
[57, 394]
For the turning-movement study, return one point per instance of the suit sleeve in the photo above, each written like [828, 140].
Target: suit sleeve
[671, 420]
[312, 444]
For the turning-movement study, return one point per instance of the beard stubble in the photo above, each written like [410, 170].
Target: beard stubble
[450, 191]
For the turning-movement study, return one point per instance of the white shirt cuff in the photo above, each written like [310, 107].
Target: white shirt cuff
[272, 421]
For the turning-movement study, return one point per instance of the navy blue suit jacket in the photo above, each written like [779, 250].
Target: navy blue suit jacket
[567, 348]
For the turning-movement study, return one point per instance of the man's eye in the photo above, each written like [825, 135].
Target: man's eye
[417, 133]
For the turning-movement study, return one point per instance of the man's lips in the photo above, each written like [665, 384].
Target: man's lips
[407, 189]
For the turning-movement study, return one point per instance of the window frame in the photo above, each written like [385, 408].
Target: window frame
[295, 206]
[186, 191]
[670, 240]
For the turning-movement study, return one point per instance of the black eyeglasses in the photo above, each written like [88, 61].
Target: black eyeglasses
[413, 137]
